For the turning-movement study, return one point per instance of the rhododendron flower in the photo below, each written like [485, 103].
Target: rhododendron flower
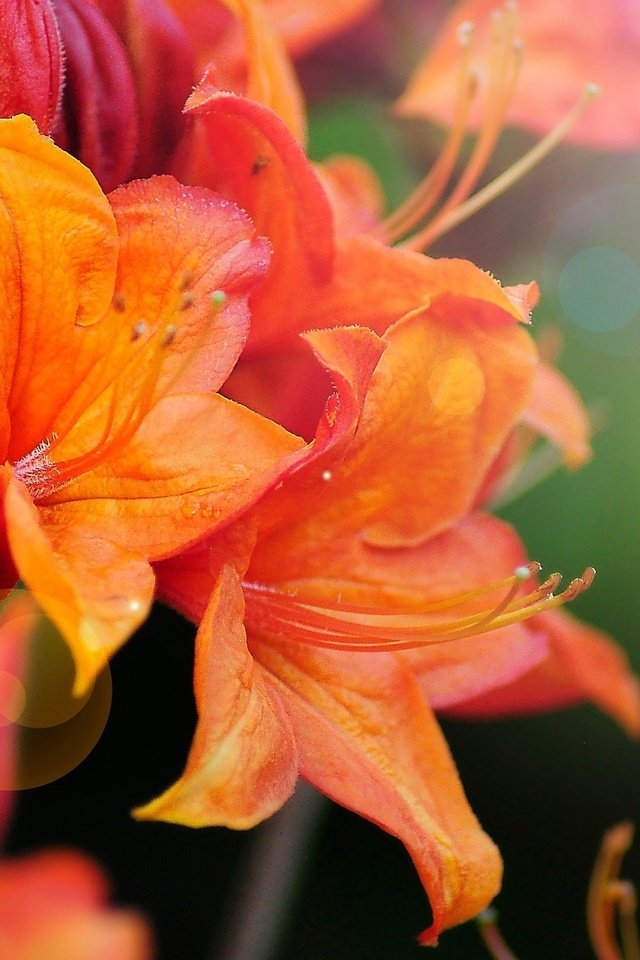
[354, 596]
[116, 450]
[565, 46]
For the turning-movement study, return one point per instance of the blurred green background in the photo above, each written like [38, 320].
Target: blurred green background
[545, 788]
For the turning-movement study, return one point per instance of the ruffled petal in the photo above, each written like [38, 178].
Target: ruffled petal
[243, 763]
[444, 396]
[245, 151]
[368, 740]
[583, 664]
[179, 245]
[94, 591]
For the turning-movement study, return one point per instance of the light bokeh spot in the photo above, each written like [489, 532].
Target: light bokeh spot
[599, 289]
[456, 386]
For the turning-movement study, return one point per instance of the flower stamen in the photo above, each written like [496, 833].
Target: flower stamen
[504, 67]
[611, 899]
[344, 626]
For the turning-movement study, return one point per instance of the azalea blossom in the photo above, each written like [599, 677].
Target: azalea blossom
[355, 596]
[122, 316]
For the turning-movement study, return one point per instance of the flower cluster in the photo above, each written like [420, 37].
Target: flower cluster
[227, 386]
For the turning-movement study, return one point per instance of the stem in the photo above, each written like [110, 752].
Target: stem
[265, 895]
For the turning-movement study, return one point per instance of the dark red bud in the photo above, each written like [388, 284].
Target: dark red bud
[162, 60]
[98, 121]
[30, 61]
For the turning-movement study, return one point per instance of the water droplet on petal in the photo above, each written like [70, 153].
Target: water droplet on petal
[190, 507]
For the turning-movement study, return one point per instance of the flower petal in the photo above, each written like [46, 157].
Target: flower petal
[94, 591]
[244, 150]
[162, 62]
[368, 740]
[57, 272]
[556, 412]
[447, 381]
[98, 123]
[178, 245]
[583, 664]
[194, 463]
[472, 555]
[243, 763]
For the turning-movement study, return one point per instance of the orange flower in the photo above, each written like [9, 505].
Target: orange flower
[565, 46]
[362, 575]
[121, 317]
[54, 904]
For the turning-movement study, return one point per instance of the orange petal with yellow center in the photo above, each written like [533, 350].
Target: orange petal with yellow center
[444, 396]
[195, 462]
[369, 741]
[243, 762]
[583, 664]
[53, 905]
[565, 47]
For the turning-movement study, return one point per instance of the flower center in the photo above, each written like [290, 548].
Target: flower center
[343, 626]
[133, 381]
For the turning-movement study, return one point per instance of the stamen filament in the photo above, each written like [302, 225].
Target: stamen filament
[446, 221]
[492, 938]
[430, 189]
[364, 629]
[608, 895]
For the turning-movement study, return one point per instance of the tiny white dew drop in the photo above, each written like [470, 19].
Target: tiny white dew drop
[327, 475]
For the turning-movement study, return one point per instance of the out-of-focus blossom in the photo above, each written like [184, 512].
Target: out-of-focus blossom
[565, 46]
[53, 904]
[125, 314]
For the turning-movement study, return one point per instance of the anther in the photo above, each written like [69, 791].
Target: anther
[139, 330]
[187, 280]
[464, 33]
[169, 335]
[218, 299]
[119, 302]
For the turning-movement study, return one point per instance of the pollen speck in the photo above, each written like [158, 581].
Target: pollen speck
[119, 302]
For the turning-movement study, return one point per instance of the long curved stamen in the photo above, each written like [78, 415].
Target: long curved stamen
[505, 61]
[122, 398]
[340, 626]
[610, 898]
[418, 204]
[504, 67]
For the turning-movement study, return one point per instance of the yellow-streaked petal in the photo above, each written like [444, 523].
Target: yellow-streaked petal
[243, 763]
